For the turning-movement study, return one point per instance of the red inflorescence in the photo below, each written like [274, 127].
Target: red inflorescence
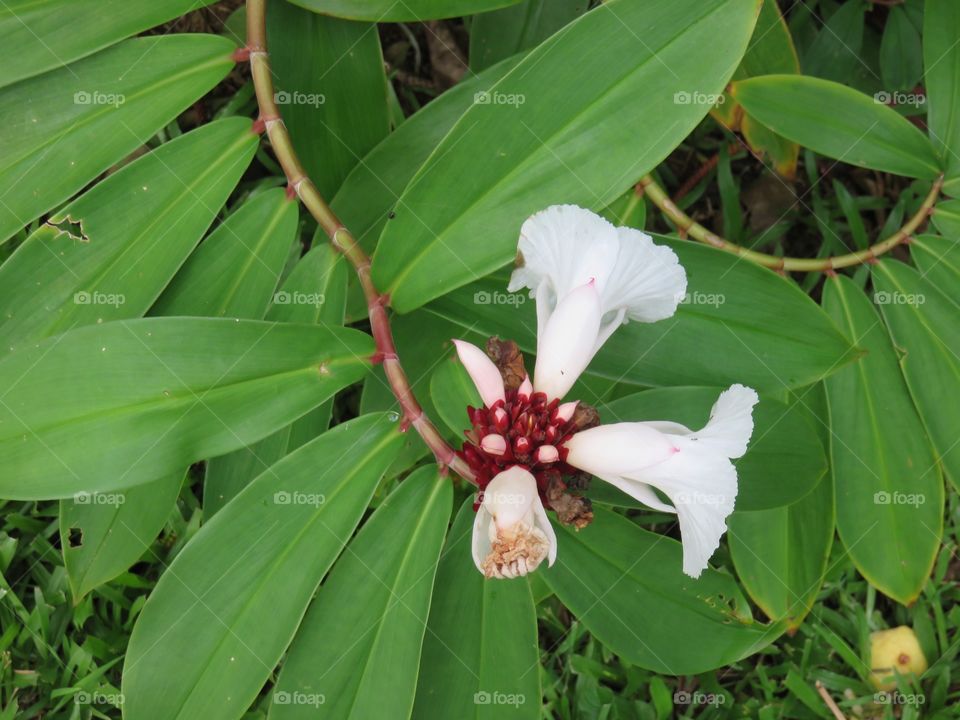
[526, 423]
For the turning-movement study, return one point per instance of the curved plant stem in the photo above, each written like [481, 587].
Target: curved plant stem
[341, 239]
[687, 226]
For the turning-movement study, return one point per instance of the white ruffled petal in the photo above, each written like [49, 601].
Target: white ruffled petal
[484, 373]
[647, 280]
[567, 246]
[543, 524]
[568, 342]
[731, 421]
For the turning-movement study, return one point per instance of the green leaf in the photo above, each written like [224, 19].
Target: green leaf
[367, 196]
[625, 585]
[113, 405]
[938, 261]
[784, 461]
[138, 226]
[330, 87]
[924, 325]
[941, 61]
[946, 219]
[497, 35]
[901, 55]
[781, 554]
[480, 657]
[68, 126]
[451, 390]
[360, 652]
[522, 146]
[762, 330]
[406, 11]
[222, 614]
[835, 52]
[889, 492]
[42, 36]
[858, 129]
[235, 271]
[314, 293]
[115, 529]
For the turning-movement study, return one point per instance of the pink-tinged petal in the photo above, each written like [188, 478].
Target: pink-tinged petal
[482, 371]
[618, 449]
[494, 444]
[526, 387]
[566, 410]
[568, 342]
[547, 454]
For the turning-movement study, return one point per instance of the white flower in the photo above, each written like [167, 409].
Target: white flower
[511, 532]
[589, 277]
[692, 469]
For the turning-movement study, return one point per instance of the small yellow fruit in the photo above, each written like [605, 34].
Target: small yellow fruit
[894, 650]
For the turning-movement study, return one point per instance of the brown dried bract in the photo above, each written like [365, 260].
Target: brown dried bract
[584, 417]
[571, 509]
[508, 358]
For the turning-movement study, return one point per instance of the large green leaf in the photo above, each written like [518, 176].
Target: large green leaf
[939, 262]
[925, 327]
[784, 461]
[888, 488]
[103, 534]
[539, 136]
[138, 225]
[781, 554]
[330, 87]
[40, 36]
[946, 219]
[762, 330]
[901, 56]
[941, 60]
[315, 293]
[359, 652]
[497, 35]
[113, 405]
[66, 127]
[368, 194]
[626, 586]
[405, 11]
[858, 129]
[235, 271]
[222, 614]
[480, 657]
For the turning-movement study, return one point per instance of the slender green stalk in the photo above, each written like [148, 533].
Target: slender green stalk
[343, 241]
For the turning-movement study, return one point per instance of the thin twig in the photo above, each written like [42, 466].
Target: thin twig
[687, 226]
[299, 184]
[828, 701]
